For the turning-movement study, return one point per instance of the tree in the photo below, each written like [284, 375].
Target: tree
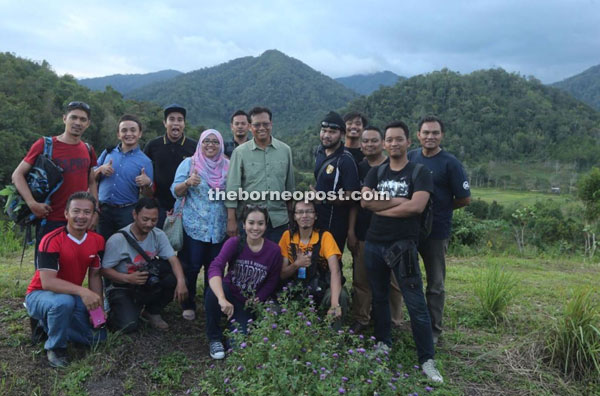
[588, 190]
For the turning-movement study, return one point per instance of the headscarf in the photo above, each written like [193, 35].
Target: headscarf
[214, 170]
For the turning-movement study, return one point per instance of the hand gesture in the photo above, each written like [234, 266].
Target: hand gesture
[226, 307]
[335, 312]
[142, 180]
[193, 180]
[303, 259]
[107, 169]
[90, 299]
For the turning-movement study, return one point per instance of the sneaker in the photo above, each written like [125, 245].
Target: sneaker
[57, 357]
[431, 372]
[37, 331]
[189, 314]
[358, 327]
[217, 351]
[156, 321]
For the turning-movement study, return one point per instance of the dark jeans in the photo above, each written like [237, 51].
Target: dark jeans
[126, 301]
[112, 219]
[433, 252]
[197, 254]
[214, 314]
[411, 285]
[42, 229]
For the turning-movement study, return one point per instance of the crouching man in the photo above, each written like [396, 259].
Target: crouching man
[142, 271]
[312, 258]
[55, 297]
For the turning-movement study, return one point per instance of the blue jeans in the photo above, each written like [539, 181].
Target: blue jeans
[411, 285]
[112, 219]
[197, 254]
[213, 313]
[63, 317]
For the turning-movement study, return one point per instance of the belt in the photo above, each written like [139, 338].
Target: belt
[116, 206]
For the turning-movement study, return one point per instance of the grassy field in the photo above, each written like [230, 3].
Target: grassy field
[525, 198]
[477, 356]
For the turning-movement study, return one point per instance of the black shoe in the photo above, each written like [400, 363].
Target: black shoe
[58, 357]
[37, 331]
[358, 327]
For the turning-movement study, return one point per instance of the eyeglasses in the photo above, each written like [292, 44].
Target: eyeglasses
[78, 105]
[206, 142]
[261, 124]
[330, 125]
[304, 212]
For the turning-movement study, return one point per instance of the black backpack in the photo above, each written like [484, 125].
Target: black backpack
[427, 214]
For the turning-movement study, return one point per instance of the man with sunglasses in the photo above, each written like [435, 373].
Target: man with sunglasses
[166, 153]
[335, 170]
[263, 164]
[75, 158]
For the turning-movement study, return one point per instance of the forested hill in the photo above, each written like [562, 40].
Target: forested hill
[298, 95]
[584, 86]
[365, 84]
[125, 83]
[490, 115]
[32, 100]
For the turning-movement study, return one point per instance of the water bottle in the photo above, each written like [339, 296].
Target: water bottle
[302, 273]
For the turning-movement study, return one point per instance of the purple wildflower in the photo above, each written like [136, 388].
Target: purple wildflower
[322, 376]
[232, 320]
[234, 331]
[335, 355]
[274, 326]
[308, 323]
[340, 331]
[341, 390]
[428, 388]
[243, 345]
[300, 314]
[372, 338]
[226, 380]
[283, 310]
[362, 337]
[350, 351]
[345, 379]
[240, 368]
[369, 381]
[287, 332]
[266, 339]
[416, 367]
[392, 386]
[308, 364]
[360, 350]
[406, 375]
[250, 321]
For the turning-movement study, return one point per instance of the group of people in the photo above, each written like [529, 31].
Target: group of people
[249, 248]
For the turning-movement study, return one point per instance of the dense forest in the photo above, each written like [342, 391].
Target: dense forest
[297, 94]
[490, 115]
[585, 86]
[125, 83]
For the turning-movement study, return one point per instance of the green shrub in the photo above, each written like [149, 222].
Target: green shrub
[573, 345]
[495, 290]
[291, 350]
[10, 241]
[466, 229]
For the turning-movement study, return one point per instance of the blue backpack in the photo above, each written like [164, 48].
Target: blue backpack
[44, 178]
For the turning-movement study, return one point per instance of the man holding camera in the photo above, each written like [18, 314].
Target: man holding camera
[135, 282]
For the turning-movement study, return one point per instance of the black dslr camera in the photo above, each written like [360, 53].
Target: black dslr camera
[153, 270]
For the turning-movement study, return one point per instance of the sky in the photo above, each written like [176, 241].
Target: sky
[550, 40]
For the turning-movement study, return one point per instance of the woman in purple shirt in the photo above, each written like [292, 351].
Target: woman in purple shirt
[253, 272]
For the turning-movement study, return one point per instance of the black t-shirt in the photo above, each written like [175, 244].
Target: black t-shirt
[356, 153]
[166, 157]
[398, 184]
[363, 218]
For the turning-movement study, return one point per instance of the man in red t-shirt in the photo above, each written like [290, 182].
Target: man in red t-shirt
[76, 160]
[55, 297]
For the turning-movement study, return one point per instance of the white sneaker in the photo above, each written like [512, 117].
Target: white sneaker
[431, 372]
[217, 351]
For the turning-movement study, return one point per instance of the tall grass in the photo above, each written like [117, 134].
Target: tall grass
[10, 241]
[573, 344]
[495, 290]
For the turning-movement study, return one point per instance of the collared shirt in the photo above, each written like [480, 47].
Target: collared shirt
[203, 219]
[120, 188]
[232, 145]
[166, 157]
[255, 169]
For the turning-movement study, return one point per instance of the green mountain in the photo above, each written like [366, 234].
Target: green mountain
[125, 83]
[32, 100]
[490, 115]
[297, 95]
[584, 86]
[365, 84]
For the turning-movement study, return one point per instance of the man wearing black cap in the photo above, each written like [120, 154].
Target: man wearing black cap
[335, 170]
[166, 152]
[76, 160]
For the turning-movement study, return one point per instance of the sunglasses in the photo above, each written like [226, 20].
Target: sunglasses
[78, 105]
[330, 125]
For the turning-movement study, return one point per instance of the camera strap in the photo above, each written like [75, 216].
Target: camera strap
[133, 243]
